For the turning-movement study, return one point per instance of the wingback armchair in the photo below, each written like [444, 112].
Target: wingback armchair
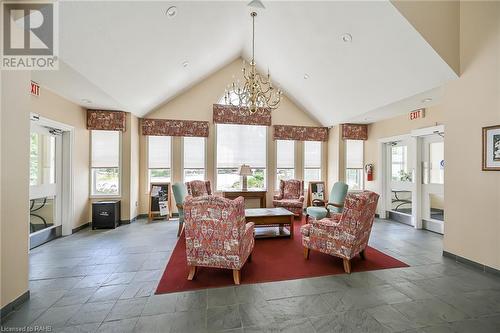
[343, 235]
[291, 196]
[217, 234]
[198, 188]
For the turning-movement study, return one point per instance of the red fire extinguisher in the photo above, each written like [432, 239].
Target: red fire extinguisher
[369, 172]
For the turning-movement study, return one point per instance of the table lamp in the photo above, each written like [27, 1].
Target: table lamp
[245, 171]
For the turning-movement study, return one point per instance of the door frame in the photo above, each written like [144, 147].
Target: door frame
[414, 139]
[67, 186]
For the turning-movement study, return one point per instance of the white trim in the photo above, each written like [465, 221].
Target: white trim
[66, 200]
[428, 131]
[394, 138]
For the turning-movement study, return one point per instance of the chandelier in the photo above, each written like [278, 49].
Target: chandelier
[258, 90]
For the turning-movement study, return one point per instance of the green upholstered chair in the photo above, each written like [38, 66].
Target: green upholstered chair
[334, 204]
[180, 194]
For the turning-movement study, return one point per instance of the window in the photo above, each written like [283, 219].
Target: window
[105, 162]
[285, 160]
[194, 158]
[354, 164]
[312, 161]
[237, 145]
[159, 161]
[399, 164]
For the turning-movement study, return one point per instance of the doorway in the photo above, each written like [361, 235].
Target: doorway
[413, 178]
[432, 188]
[50, 193]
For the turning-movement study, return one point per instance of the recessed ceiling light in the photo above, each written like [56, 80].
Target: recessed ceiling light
[171, 11]
[86, 101]
[346, 38]
[185, 64]
[306, 76]
[426, 100]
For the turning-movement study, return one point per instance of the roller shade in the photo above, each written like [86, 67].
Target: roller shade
[312, 154]
[285, 154]
[241, 144]
[105, 149]
[194, 153]
[354, 154]
[159, 152]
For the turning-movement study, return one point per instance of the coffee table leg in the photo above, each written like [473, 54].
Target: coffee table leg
[291, 226]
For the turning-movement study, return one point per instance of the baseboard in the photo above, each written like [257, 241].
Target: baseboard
[128, 221]
[43, 236]
[471, 263]
[13, 305]
[80, 227]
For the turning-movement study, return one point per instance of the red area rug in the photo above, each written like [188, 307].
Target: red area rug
[272, 260]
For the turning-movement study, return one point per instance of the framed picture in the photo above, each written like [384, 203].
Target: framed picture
[491, 148]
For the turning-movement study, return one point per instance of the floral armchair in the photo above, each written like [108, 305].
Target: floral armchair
[291, 196]
[217, 234]
[198, 188]
[343, 235]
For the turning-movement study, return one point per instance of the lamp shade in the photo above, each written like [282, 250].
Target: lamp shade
[245, 170]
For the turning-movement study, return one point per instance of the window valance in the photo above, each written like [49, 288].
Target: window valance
[169, 127]
[354, 132]
[228, 114]
[106, 120]
[300, 133]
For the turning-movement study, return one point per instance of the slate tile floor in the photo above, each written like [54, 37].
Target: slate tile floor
[104, 281]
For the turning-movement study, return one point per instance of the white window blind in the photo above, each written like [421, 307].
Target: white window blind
[241, 144]
[105, 149]
[194, 153]
[285, 154]
[354, 154]
[159, 152]
[312, 154]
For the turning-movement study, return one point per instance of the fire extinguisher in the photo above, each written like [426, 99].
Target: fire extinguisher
[369, 172]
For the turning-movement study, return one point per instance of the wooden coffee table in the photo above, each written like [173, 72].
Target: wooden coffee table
[270, 222]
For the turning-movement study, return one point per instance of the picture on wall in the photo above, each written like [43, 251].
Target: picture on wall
[491, 148]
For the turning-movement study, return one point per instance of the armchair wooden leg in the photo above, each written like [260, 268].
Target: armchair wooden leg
[192, 272]
[306, 253]
[236, 276]
[362, 255]
[181, 226]
[347, 266]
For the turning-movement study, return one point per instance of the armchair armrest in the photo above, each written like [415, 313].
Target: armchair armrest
[278, 196]
[334, 204]
[301, 198]
[327, 224]
[179, 206]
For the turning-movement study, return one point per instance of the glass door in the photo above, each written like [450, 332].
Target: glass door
[432, 190]
[400, 181]
[45, 179]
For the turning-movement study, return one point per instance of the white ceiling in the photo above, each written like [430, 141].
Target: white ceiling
[129, 55]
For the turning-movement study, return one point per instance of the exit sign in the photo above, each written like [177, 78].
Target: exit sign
[417, 114]
[35, 89]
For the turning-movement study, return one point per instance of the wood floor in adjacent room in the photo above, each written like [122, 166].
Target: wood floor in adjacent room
[104, 281]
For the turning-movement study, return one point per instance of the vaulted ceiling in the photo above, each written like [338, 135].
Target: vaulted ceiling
[131, 56]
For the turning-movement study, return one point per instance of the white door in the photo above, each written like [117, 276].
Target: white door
[432, 189]
[400, 180]
[45, 179]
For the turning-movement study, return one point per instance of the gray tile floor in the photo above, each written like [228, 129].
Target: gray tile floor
[104, 281]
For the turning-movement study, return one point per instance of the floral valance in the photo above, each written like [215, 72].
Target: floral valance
[169, 127]
[106, 120]
[228, 114]
[354, 132]
[300, 133]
